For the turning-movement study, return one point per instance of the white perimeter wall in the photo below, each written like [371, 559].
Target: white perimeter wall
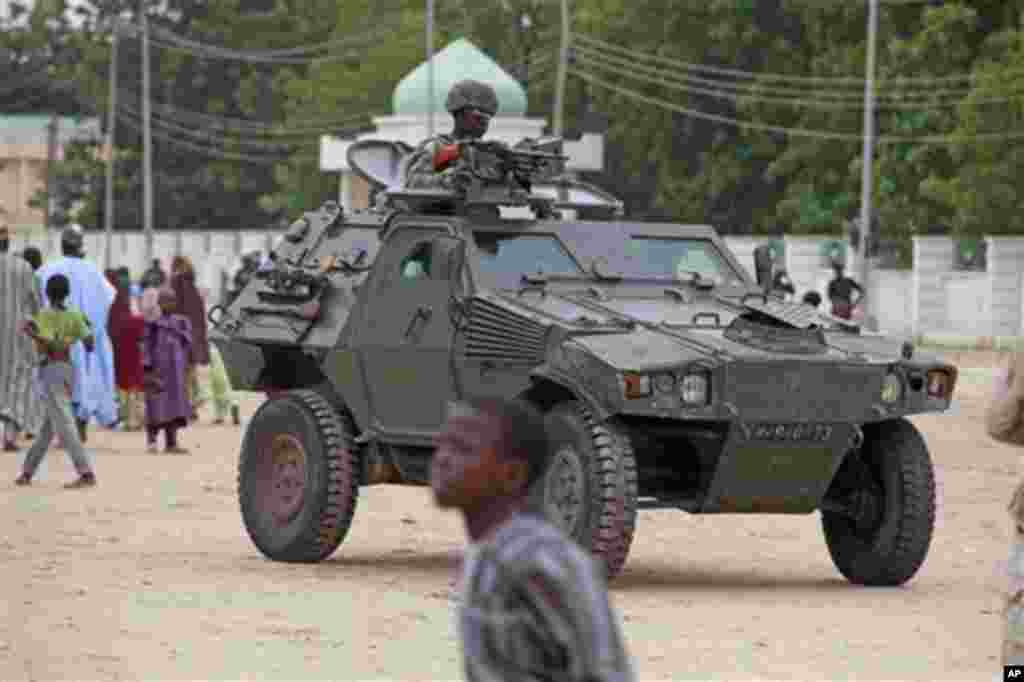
[931, 299]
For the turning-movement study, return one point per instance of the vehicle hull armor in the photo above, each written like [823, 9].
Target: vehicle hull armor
[670, 378]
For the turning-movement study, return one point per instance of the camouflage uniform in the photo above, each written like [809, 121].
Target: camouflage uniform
[1004, 421]
[535, 607]
[466, 94]
[420, 173]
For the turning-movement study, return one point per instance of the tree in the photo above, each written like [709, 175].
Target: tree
[201, 106]
[984, 195]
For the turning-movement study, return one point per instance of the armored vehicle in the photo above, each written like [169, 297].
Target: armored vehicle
[670, 377]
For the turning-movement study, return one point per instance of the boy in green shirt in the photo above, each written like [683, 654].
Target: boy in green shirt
[55, 330]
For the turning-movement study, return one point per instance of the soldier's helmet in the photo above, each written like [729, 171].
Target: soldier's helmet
[470, 93]
[73, 237]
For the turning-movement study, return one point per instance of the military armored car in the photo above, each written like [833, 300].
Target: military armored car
[669, 376]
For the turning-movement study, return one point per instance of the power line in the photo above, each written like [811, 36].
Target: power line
[170, 41]
[654, 76]
[795, 132]
[759, 89]
[720, 71]
[283, 128]
[211, 135]
[345, 41]
[207, 151]
[839, 81]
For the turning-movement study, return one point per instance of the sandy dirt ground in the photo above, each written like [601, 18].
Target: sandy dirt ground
[151, 576]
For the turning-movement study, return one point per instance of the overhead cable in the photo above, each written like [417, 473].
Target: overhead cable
[166, 40]
[281, 128]
[645, 74]
[212, 135]
[838, 81]
[760, 89]
[345, 41]
[219, 154]
[795, 132]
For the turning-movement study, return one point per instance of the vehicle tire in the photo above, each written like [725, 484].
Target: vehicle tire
[896, 468]
[298, 477]
[590, 490]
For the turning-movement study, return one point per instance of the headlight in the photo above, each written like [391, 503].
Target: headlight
[892, 388]
[636, 385]
[694, 388]
[664, 382]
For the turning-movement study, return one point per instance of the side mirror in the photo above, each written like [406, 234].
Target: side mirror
[763, 266]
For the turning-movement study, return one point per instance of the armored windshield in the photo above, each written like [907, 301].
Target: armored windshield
[665, 257]
[505, 257]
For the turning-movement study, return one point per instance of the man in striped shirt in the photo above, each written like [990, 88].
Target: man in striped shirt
[19, 299]
[534, 604]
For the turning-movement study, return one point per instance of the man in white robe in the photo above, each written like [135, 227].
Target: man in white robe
[93, 394]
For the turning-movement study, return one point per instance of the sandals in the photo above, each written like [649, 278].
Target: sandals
[83, 481]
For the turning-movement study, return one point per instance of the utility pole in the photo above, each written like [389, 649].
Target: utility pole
[147, 141]
[108, 212]
[868, 156]
[430, 68]
[526, 43]
[563, 66]
[51, 157]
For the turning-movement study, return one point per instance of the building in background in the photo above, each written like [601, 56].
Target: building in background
[24, 150]
[409, 121]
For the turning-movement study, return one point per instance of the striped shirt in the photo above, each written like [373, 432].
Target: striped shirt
[535, 607]
[19, 300]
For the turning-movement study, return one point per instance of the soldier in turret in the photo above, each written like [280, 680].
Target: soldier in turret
[472, 104]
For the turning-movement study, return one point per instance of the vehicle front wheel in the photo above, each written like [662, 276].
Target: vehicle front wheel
[590, 489]
[298, 477]
[881, 507]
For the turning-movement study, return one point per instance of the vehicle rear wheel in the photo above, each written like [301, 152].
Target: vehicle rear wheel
[590, 490]
[298, 477]
[887, 492]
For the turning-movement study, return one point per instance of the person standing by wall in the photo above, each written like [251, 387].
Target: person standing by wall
[126, 329]
[222, 395]
[93, 387]
[192, 307]
[520, 569]
[844, 293]
[19, 300]
[32, 406]
[56, 330]
[165, 351]
[154, 276]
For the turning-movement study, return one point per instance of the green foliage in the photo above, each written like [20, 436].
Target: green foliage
[746, 180]
[664, 164]
[984, 194]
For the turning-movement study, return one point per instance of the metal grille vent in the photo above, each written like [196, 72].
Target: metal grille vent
[795, 314]
[776, 339]
[493, 332]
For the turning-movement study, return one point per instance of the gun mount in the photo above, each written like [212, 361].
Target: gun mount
[486, 173]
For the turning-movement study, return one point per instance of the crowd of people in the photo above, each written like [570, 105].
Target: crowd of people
[79, 346]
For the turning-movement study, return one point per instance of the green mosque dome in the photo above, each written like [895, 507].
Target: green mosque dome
[458, 61]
